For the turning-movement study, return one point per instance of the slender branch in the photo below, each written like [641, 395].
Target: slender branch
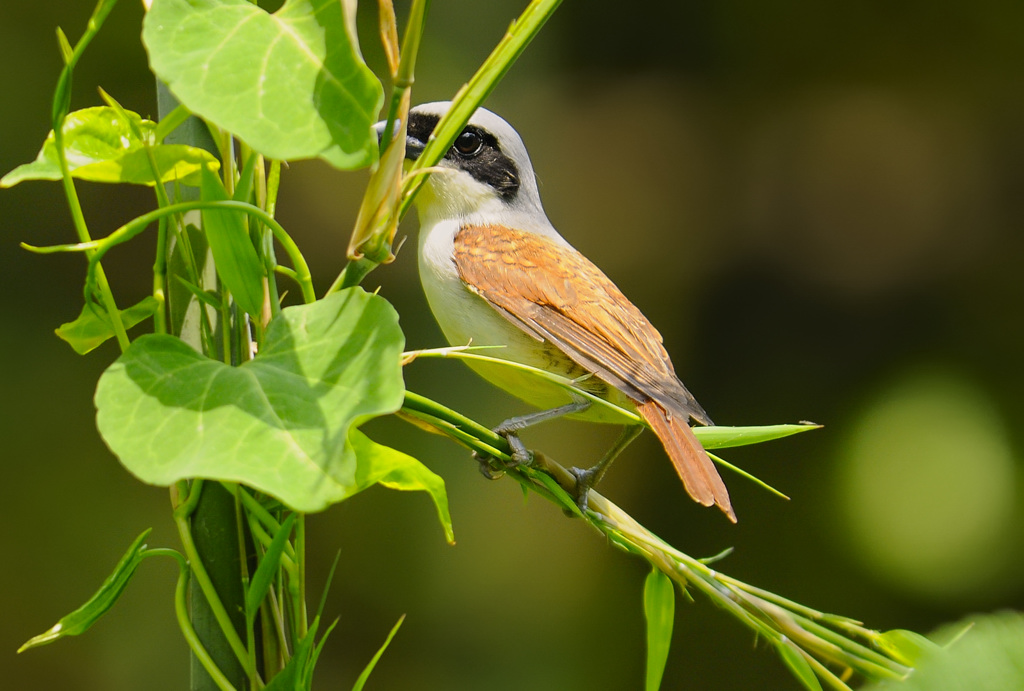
[779, 621]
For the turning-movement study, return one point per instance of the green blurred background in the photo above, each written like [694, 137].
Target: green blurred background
[819, 205]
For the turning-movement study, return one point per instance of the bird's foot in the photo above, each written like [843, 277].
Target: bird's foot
[509, 431]
[492, 468]
[584, 482]
[489, 467]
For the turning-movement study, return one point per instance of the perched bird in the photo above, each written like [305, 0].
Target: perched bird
[496, 272]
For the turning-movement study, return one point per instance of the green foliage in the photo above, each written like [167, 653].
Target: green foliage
[981, 653]
[291, 84]
[261, 581]
[365, 675]
[659, 609]
[279, 423]
[906, 646]
[797, 662]
[191, 403]
[720, 437]
[84, 617]
[238, 265]
[101, 146]
[92, 327]
[379, 464]
[297, 675]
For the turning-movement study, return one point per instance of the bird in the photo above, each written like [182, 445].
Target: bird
[496, 272]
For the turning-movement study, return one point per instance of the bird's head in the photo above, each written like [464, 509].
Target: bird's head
[486, 176]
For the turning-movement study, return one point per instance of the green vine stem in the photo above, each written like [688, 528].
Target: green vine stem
[182, 615]
[61, 106]
[137, 225]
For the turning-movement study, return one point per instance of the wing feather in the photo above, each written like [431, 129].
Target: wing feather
[553, 291]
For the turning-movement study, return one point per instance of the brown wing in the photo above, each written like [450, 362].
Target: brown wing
[555, 292]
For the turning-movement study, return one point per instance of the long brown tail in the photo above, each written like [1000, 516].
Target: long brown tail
[691, 462]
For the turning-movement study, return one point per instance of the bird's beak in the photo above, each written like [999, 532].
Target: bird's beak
[413, 146]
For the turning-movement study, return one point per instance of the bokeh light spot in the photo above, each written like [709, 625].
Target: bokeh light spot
[928, 486]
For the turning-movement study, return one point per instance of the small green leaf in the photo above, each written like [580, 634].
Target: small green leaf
[798, 665]
[361, 681]
[207, 297]
[238, 265]
[265, 572]
[906, 647]
[292, 84]
[296, 674]
[243, 188]
[279, 423]
[92, 328]
[719, 437]
[659, 609]
[378, 464]
[327, 585]
[170, 122]
[314, 657]
[66, 51]
[84, 617]
[101, 147]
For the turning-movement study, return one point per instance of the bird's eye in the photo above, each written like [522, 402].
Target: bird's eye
[469, 143]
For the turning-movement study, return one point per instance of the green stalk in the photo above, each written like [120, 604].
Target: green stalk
[779, 621]
[402, 80]
[271, 185]
[466, 101]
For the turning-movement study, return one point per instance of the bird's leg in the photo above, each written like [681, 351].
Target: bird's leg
[510, 429]
[587, 479]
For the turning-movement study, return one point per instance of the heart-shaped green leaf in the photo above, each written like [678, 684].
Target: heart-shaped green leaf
[101, 147]
[379, 464]
[291, 84]
[279, 423]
